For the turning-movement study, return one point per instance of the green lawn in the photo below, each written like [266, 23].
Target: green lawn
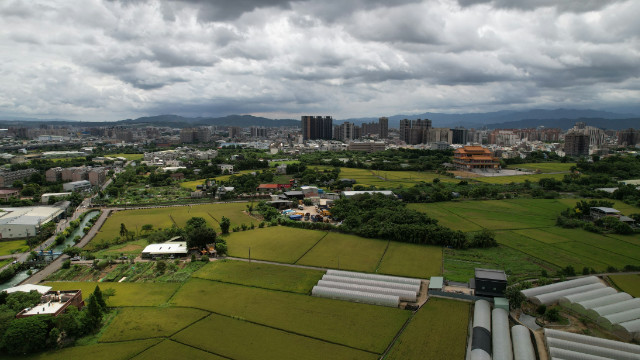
[113, 351]
[13, 246]
[266, 276]
[544, 167]
[169, 349]
[127, 294]
[347, 252]
[629, 283]
[437, 331]
[237, 339]
[335, 321]
[143, 323]
[277, 243]
[421, 261]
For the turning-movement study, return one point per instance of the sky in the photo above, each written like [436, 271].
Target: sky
[110, 60]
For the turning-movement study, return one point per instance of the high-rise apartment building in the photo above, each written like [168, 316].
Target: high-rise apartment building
[414, 131]
[576, 144]
[317, 127]
[629, 137]
[384, 127]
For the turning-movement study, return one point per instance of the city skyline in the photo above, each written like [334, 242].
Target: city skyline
[111, 60]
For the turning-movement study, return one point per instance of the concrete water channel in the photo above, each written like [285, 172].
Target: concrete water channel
[56, 250]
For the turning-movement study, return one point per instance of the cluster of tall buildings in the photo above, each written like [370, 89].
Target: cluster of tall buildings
[317, 127]
[195, 135]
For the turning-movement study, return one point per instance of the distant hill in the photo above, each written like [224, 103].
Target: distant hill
[565, 124]
[474, 120]
[165, 120]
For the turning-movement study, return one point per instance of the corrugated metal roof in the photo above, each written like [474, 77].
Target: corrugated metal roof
[491, 274]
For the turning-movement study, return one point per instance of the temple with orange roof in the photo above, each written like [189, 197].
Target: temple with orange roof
[475, 157]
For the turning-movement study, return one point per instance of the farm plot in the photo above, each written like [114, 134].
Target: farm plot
[606, 243]
[459, 265]
[244, 340]
[437, 331]
[13, 246]
[169, 349]
[339, 322]
[266, 276]
[544, 167]
[421, 261]
[127, 294]
[277, 243]
[547, 252]
[143, 323]
[347, 252]
[191, 185]
[517, 178]
[111, 351]
[446, 217]
[165, 217]
[629, 283]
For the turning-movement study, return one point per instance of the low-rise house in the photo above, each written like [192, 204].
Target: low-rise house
[54, 303]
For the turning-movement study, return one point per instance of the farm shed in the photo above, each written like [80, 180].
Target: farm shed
[522, 346]
[567, 345]
[489, 282]
[436, 283]
[501, 340]
[349, 194]
[628, 330]
[560, 286]
[298, 195]
[553, 297]
[407, 287]
[386, 278]
[404, 295]
[357, 296]
[598, 212]
[481, 333]
[177, 249]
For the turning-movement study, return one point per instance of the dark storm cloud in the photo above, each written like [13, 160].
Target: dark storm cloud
[576, 6]
[345, 57]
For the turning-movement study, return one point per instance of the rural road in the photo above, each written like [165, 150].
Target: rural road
[57, 263]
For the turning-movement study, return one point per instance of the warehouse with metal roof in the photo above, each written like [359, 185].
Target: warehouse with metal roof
[22, 222]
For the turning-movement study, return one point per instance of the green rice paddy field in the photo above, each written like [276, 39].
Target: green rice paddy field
[544, 167]
[529, 240]
[241, 310]
[336, 251]
[629, 283]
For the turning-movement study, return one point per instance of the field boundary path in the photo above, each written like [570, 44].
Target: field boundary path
[309, 249]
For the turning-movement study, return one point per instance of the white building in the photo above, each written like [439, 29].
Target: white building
[23, 222]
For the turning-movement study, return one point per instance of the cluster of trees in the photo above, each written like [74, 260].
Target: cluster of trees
[379, 216]
[41, 332]
[388, 160]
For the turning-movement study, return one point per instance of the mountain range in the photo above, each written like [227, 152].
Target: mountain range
[562, 118]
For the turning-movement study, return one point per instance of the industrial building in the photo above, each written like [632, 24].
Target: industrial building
[22, 222]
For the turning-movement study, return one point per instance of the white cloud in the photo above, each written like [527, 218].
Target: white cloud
[107, 60]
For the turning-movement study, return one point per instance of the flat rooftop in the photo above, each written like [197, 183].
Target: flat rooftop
[490, 274]
[28, 215]
[49, 308]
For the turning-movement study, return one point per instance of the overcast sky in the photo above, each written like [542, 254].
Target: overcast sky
[109, 60]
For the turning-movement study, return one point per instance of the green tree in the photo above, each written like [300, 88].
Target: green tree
[200, 236]
[26, 335]
[225, 223]
[97, 294]
[161, 267]
[123, 230]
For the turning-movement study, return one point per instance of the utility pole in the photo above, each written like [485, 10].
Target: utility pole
[249, 253]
